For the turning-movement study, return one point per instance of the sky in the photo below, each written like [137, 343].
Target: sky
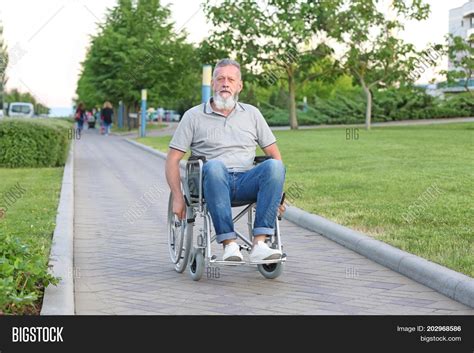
[47, 40]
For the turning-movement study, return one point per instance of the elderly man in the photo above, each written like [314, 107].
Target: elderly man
[227, 132]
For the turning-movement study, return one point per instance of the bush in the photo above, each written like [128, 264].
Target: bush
[26, 142]
[462, 104]
[24, 274]
[391, 104]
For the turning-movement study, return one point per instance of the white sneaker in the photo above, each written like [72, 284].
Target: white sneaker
[261, 251]
[232, 252]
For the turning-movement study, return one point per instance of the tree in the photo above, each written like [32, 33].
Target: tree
[3, 67]
[375, 55]
[278, 37]
[135, 49]
[461, 54]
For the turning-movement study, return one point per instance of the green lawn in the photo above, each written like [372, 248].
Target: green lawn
[29, 222]
[149, 126]
[369, 183]
[159, 143]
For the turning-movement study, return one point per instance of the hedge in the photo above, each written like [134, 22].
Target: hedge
[388, 105]
[33, 142]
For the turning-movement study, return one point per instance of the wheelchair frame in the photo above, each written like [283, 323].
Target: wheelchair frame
[180, 233]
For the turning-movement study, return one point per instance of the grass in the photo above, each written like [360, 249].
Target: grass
[149, 126]
[31, 218]
[369, 183]
[159, 143]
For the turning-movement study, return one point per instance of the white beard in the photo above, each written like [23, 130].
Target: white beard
[225, 103]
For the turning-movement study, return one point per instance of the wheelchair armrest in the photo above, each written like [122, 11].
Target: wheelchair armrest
[196, 158]
[193, 179]
[260, 159]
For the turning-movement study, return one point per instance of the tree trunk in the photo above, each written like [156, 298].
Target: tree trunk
[135, 111]
[368, 108]
[114, 116]
[466, 85]
[2, 100]
[292, 102]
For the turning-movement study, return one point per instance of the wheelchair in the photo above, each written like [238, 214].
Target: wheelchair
[184, 250]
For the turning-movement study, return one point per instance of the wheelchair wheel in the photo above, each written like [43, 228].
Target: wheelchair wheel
[270, 271]
[196, 264]
[180, 235]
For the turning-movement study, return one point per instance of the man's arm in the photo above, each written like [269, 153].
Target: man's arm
[174, 181]
[273, 151]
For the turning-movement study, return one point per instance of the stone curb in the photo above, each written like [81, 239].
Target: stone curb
[453, 284]
[151, 150]
[59, 300]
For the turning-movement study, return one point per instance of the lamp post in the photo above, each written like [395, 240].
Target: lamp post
[206, 82]
[120, 115]
[143, 116]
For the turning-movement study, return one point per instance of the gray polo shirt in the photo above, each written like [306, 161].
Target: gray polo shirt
[232, 140]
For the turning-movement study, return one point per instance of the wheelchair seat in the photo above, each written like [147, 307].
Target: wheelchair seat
[240, 203]
[256, 160]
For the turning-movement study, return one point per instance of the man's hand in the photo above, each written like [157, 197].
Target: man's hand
[179, 207]
[281, 209]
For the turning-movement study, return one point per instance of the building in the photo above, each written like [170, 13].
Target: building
[461, 23]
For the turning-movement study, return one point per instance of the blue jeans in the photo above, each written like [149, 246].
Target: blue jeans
[107, 128]
[263, 184]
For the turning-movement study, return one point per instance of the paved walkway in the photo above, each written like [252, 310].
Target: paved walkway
[122, 267]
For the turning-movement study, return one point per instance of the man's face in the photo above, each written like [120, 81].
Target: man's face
[227, 82]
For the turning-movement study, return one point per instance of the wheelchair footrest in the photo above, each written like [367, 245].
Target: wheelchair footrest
[236, 263]
[266, 262]
[227, 263]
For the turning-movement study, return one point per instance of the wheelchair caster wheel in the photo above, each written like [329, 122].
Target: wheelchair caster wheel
[196, 264]
[270, 271]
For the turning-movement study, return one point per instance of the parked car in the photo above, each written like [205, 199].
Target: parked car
[157, 115]
[171, 115]
[20, 109]
[153, 116]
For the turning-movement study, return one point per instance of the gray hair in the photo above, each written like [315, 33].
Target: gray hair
[226, 62]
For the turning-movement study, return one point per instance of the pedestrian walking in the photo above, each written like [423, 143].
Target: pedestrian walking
[80, 117]
[106, 116]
